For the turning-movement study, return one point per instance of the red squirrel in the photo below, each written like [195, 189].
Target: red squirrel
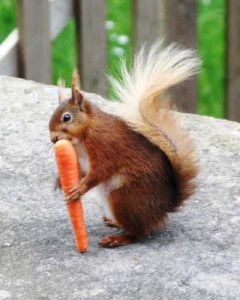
[137, 155]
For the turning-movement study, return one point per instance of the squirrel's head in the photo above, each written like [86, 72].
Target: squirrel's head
[71, 119]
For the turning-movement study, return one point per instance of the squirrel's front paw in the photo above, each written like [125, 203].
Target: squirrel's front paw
[75, 193]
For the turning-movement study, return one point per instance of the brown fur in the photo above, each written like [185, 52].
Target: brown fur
[151, 186]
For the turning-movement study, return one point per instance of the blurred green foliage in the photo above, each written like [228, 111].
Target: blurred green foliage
[210, 21]
[7, 17]
[211, 49]
[64, 54]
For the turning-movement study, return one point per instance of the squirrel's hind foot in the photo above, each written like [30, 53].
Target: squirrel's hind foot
[112, 241]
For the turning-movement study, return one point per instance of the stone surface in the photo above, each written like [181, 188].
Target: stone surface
[197, 255]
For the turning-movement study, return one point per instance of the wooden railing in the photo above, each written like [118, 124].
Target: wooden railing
[26, 52]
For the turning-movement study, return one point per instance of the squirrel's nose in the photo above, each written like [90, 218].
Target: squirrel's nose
[54, 139]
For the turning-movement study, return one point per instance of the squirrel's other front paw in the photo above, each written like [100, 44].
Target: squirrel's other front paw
[57, 184]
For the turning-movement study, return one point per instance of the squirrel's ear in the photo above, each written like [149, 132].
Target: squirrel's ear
[77, 97]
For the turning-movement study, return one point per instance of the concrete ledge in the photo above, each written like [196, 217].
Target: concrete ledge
[197, 255]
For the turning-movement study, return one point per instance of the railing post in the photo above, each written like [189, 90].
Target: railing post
[34, 34]
[232, 82]
[91, 44]
[181, 28]
[147, 19]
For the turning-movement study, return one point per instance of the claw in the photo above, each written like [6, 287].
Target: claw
[68, 201]
[113, 241]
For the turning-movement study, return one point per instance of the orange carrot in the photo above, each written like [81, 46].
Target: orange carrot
[66, 159]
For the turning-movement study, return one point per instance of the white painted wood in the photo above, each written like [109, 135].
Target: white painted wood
[9, 55]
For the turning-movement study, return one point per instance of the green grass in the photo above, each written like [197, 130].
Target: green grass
[64, 54]
[210, 21]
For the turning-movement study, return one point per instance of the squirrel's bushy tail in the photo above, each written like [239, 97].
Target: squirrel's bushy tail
[142, 105]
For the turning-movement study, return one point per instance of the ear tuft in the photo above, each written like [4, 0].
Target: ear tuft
[61, 94]
[77, 98]
[75, 79]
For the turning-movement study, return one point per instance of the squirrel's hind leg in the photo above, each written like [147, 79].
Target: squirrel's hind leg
[112, 241]
[110, 223]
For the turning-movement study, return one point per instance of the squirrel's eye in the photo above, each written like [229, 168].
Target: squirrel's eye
[66, 117]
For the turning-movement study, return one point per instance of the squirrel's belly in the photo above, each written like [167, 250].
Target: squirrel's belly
[104, 189]
[102, 195]
[82, 156]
